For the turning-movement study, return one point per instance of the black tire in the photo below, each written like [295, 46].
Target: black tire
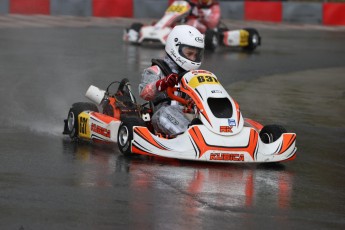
[195, 121]
[271, 133]
[125, 134]
[211, 40]
[72, 117]
[254, 39]
[136, 26]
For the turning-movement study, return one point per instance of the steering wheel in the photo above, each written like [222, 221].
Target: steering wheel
[171, 91]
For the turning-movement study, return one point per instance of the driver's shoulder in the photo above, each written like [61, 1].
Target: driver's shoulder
[155, 69]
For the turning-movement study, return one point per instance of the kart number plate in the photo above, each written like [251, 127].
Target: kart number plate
[202, 79]
[177, 8]
[84, 129]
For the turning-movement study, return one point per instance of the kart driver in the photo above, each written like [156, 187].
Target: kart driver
[205, 15]
[184, 51]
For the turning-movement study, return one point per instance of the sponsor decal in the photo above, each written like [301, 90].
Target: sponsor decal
[100, 130]
[231, 122]
[196, 72]
[177, 59]
[230, 41]
[225, 129]
[216, 91]
[199, 39]
[226, 157]
[172, 119]
[180, 60]
[172, 52]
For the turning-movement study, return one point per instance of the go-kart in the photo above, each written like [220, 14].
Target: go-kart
[217, 130]
[177, 13]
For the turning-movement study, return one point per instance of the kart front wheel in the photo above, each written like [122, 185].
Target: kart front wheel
[71, 123]
[136, 28]
[271, 133]
[125, 134]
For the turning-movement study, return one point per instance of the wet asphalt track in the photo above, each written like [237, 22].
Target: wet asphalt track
[296, 79]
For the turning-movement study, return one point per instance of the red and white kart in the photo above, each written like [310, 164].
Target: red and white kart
[217, 131]
[177, 12]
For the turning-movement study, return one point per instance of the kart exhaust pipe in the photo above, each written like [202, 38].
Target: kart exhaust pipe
[95, 94]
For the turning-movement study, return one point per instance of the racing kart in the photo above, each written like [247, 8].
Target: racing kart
[217, 131]
[177, 13]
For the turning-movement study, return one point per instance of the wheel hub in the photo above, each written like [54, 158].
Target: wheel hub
[70, 121]
[255, 39]
[123, 136]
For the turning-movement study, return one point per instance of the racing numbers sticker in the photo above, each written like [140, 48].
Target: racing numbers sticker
[84, 129]
[175, 8]
[82, 125]
[202, 79]
[244, 36]
[207, 78]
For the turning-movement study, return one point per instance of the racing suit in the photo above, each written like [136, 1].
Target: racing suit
[168, 118]
[204, 17]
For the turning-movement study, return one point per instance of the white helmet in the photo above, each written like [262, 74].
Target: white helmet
[185, 46]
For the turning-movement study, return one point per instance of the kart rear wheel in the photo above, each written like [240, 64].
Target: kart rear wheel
[72, 119]
[136, 26]
[254, 39]
[271, 133]
[211, 40]
[125, 134]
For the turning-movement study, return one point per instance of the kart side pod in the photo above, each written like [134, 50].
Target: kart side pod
[95, 94]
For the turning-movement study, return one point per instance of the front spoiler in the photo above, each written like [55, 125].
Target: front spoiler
[200, 144]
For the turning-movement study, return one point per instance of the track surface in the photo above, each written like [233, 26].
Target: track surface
[296, 78]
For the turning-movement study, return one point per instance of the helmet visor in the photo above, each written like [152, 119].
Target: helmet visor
[191, 53]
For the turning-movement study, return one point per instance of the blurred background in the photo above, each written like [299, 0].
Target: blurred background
[324, 12]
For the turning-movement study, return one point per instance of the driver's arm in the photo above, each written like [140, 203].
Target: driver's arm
[147, 88]
[212, 20]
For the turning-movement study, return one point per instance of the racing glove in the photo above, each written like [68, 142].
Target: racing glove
[168, 81]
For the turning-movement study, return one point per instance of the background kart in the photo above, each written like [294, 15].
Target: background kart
[217, 130]
[177, 13]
